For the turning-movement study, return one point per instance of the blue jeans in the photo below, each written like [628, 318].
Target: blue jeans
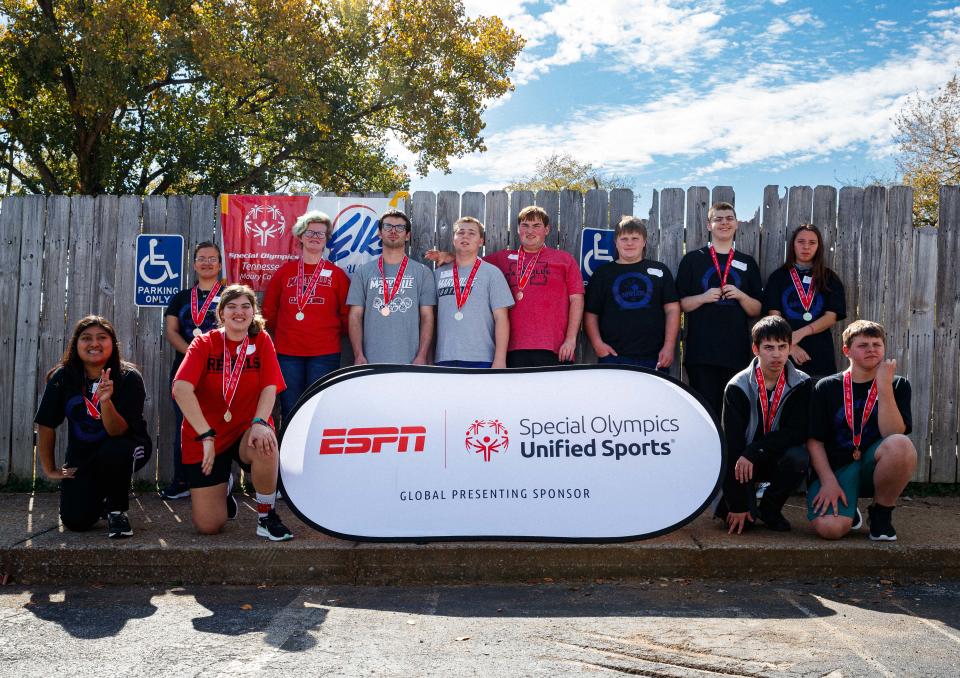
[463, 363]
[301, 371]
[624, 360]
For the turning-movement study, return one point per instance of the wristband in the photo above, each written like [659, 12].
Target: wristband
[203, 436]
[261, 421]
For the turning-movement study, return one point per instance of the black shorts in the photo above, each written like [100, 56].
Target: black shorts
[222, 468]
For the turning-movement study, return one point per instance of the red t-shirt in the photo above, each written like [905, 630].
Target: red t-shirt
[325, 313]
[203, 367]
[539, 320]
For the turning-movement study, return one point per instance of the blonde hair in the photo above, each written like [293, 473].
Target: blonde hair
[469, 220]
[313, 217]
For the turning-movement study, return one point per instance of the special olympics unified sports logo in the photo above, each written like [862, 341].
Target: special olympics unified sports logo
[486, 437]
[264, 222]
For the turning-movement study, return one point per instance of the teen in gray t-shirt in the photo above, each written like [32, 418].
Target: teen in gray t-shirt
[470, 339]
[394, 338]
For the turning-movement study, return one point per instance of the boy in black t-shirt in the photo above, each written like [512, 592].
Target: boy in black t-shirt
[719, 289]
[859, 422]
[765, 410]
[632, 311]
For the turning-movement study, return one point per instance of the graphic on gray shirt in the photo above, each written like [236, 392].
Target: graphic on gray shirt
[394, 338]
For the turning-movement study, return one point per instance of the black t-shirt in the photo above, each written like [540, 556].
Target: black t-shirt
[717, 333]
[63, 398]
[179, 307]
[629, 299]
[828, 423]
[780, 295]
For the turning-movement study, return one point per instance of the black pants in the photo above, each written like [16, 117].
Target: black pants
[710, 381]
[784, 473]
[101, 484]
[532, 358]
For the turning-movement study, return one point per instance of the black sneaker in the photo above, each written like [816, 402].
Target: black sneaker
[269, 526]
[174, 491]
[881, 523]
[119, 525]
[232, 507]
[774, 520]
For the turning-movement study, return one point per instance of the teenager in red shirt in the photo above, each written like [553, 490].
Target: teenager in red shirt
[226, 387]
[305, 307]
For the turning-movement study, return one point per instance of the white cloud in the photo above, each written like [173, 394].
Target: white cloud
[779, 2]
[625, 34]
[732, 125]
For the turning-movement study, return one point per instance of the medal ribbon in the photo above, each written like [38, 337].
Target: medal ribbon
[231, 375]
[848, 406]
[199, 315]
[716, 265]
[304, 294]
[806, 298]
[774, 403]
[523, 274]
[462, 299]
[93, 404]
[387, 298]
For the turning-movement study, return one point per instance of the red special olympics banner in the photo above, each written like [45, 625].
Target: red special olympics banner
[258, 232]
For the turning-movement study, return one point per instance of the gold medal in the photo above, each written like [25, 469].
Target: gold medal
[856, 454]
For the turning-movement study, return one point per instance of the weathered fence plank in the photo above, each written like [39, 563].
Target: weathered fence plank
[847, 259]
[23, 388]
[497, 225]
[448, 211]
[653, 228]
[570, 220]
[723, 194]
[621, 205]
[672, 207]
[697, 232]
[519, 200]
[946, 384]
[873, 249]
[84, 255]
[424, 219]
[472, 205]
[105, 216]
[922, 328]
[799, 207]
[549, 201]
[773, 225]
[825, 218]
[11, 223]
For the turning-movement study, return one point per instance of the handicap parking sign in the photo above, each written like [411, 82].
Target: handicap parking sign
[159, 265]
[597, 247]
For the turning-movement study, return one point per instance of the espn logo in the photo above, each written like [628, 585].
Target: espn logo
[363, 440]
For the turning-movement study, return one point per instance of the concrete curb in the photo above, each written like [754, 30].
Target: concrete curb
[165, 550]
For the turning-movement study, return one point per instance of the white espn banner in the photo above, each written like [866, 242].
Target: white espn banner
[578, 453]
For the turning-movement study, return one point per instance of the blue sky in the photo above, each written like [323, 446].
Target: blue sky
[680, 93]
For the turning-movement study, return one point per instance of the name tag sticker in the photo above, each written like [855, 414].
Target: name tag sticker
[216, 299]
[807, 279]
[655, 271]
[512, 256]
[739, 265]
[326, 273]
[446, 274]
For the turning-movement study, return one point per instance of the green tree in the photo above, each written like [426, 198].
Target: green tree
[559, 171]
[929, 139]
[209, 96]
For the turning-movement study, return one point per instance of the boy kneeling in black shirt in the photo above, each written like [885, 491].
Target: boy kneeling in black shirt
[859, 422]
[765, 409]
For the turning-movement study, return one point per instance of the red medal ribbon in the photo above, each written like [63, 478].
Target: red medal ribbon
[387, 298]
[848, 408]
[716, 265]
[304, 294]
[523, 274]
[774, 404]
[199, 314]
[93, 404]
[806, 298]
[231, 375]
[462, 299]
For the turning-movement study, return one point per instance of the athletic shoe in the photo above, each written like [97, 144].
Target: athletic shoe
[174, 491]
[774, 520]
[269, 526]
[119, 525]
[761, 488]
[881, 523]
[857, 521]
[232, 507]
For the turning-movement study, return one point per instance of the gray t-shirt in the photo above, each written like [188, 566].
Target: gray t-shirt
[394, 338]
[472, 338]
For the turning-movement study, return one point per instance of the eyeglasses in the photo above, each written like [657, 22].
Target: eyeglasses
[207, 260]
[721, 220]
[394, 227]
[319, 235]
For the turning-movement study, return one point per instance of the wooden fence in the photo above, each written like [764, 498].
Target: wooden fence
[65, 257]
